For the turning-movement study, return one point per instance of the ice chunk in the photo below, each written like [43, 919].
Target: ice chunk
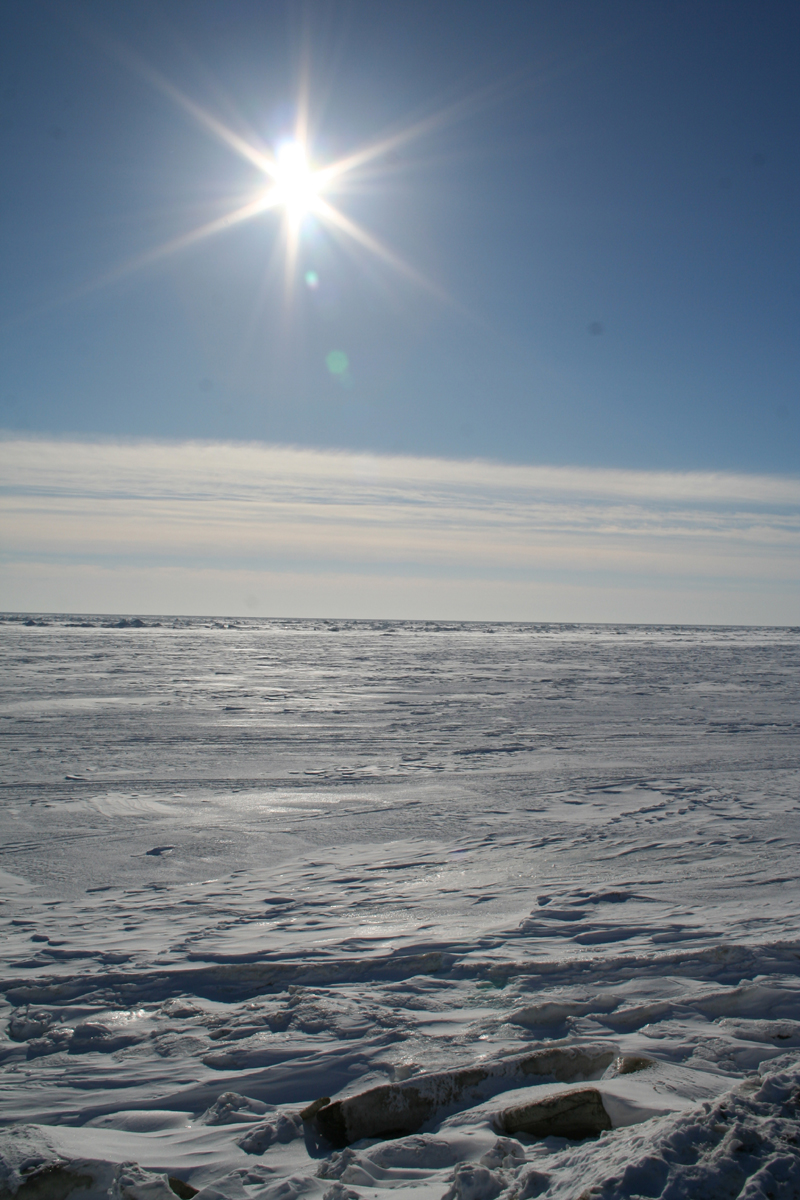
[29, 1023]
[395, 1108]
[257, 1139]
[627, 1064]
[506, 1152]
[472, 1182]
[338, 1191]
[575, 1114]
[230, 1108]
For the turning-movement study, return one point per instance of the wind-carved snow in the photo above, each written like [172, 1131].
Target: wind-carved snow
[268, 886]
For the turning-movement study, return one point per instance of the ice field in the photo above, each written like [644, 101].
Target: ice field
[488, 874]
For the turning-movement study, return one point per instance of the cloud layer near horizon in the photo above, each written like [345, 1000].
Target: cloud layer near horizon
[146, 526]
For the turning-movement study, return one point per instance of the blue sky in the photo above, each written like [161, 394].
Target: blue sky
[602, 199]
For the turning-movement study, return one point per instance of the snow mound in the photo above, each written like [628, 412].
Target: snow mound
[31, 1169]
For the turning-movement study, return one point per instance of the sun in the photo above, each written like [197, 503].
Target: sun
[297, 186]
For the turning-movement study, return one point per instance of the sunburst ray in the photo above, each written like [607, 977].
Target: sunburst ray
[293, 185]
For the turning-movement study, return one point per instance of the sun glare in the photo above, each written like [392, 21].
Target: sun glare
[297, 186]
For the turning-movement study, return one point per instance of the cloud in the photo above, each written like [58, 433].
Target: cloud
[293, 514]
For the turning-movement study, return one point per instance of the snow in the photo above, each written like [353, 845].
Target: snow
[249, 865]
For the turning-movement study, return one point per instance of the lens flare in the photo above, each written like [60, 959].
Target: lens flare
[337, 362]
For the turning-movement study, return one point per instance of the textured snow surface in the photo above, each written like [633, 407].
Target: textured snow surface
[246, 865]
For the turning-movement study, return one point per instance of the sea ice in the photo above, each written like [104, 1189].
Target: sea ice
[249, 867]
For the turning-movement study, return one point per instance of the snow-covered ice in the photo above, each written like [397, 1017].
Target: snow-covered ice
[439, 872]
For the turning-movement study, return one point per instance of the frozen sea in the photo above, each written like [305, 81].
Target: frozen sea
[250, 864]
